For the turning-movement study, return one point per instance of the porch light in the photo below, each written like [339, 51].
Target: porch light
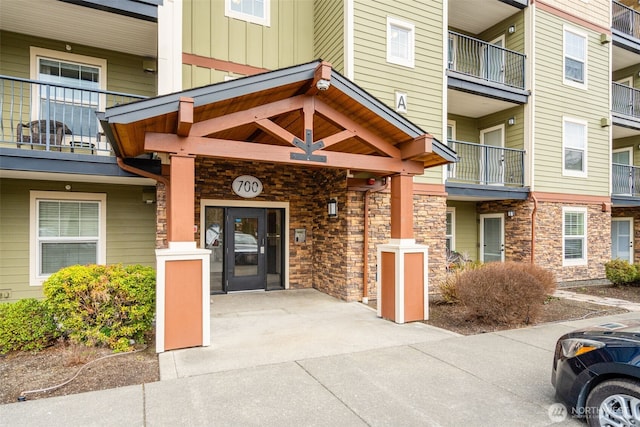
[512, 29]
[511, 121]
[511, 214]
[332, 208]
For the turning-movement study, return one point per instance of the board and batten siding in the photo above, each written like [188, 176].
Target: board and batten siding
[124, 71]
[131, 229]
[554, 100]
[329, 31]
[207, 32]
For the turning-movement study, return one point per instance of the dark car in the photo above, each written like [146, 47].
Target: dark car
[596, 373]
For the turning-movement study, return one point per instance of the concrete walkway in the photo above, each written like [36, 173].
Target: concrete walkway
[301, 358]
[611, 302]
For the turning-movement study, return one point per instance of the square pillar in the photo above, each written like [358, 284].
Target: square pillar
[182, 297]
[403, 283]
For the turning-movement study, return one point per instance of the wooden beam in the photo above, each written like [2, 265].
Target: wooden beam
[239, 150]
[229, 121]
[417, 148]
[337, 137]
[371, 139]
[322, 72]
[185, 116]
[276, 131]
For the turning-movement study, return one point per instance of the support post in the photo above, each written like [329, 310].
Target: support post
[402, 281]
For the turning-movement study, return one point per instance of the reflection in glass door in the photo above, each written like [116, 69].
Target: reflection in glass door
[213, 240]
[245, 249]
[492, 237]
[622, 239]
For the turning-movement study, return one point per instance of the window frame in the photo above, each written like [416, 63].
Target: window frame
[451, 237]
[568, 81]
[409, 61]
[252, 19]
[36, 279]
[584, 236]
[565, 146]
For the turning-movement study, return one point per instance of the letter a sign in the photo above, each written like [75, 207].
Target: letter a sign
[401, 102]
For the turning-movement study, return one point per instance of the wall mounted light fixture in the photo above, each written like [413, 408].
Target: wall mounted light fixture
[511, 121]
[332, 208]
[511, 29]
[511, 214]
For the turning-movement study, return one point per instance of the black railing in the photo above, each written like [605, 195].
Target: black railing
[486, 61]
[486, 164]
[625, 180]
[46, 116]
[625, 19]
[625, 100]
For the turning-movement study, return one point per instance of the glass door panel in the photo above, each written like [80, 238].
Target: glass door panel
[245, 249]
[491, 238]
[214, 233]
[622, 239]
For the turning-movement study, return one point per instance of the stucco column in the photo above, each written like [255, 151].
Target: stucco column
[182, 278]
[402, 265]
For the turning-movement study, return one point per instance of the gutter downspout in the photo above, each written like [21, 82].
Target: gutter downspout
[533, 227]
[141, 172]
[365, 243]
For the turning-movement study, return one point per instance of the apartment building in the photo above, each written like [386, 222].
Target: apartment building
[521, 113]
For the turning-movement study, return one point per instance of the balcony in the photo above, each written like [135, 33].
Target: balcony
[625, 20]
[486, 165]
[36, 115]
[625, 180]
[625, 29]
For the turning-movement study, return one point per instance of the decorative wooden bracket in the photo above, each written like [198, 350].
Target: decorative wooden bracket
[308, 146]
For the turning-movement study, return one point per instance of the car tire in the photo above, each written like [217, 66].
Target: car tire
[614, 400]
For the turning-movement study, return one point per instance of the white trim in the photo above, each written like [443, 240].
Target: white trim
[452, 211]
[34, 255]
[409, 61]
[349, 40]
[627, 149]
[252, 204]
[584, 172]
[37, 52]
[492, 129]
[627, 81]
[483, 169]
[482, 218]
[575, 31]
[453, 125]
[584, 259]
[266, 21]
[631, 236]
[170, 47]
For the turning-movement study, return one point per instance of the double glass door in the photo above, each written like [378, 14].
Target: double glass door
[247, 248]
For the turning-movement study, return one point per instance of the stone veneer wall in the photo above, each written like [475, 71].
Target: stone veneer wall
[548, 251]
[635, 214]
[517, 229]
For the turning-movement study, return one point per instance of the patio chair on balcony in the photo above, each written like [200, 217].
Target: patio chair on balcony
[35, 133]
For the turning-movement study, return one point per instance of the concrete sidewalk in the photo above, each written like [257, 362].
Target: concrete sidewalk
[341, 365]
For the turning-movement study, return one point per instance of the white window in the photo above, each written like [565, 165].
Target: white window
[66, 229]
[574, 236]
[451, 230]
[575, 58]
[400, 42]
[74, 100]
[574, 147]
[254, 11]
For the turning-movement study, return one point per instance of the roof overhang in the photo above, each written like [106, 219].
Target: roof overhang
[307, 114]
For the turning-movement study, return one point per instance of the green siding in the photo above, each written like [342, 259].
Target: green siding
[287, 41]
[513, 41]
[124, 71]
[466, 128]
[466, 231]
[555, 100]
[633, 142]
[513, 135]
[329, 32]
[131, 228]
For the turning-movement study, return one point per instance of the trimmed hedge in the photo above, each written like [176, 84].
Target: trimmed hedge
[620, 272]
[99, 305]
[26, 325]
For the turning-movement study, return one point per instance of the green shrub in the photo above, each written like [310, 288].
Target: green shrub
[103, 305]
[503, 293]
[26, 325]
[621, 272]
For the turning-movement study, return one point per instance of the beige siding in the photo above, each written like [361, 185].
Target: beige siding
[554, 100]
[329, 32]
[466, 128]
[513, 134]
[593, 11]
[466, 231]
[513, 41]
[131, 227]
[124, 72]
[632, 71]
[288, 40]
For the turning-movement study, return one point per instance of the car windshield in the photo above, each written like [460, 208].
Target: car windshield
[246, 239]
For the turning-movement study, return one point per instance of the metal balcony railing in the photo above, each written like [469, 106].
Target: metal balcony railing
[45, 116]
[486, 61]
[625, 100]
[625, 180]
[486, 164]
[625, 20]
